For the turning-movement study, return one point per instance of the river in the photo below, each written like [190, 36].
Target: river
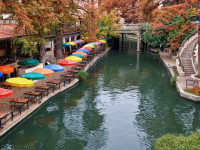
[126, 103]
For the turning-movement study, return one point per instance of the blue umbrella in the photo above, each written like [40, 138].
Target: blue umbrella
[91, 44]
[55, 68]
[97, 43]
[1, 74]
[79, 42]
[83, 50]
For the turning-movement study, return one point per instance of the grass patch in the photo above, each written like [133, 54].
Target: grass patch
[188, 91]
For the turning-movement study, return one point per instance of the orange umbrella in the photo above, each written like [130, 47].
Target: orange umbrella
[44, 71]
[6, 69]
[82, 53]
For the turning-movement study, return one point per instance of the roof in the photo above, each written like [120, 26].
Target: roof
[8, 31]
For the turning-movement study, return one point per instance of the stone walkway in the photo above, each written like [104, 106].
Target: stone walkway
[181, 81]
[9, 125]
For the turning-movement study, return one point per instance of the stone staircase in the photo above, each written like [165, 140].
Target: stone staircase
[186, 58]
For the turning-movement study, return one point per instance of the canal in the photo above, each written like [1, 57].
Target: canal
[126, 103]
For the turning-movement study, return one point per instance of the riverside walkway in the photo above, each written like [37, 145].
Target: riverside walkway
[24, 114]
[181, 81]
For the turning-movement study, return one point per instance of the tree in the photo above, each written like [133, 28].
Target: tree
[107, 24]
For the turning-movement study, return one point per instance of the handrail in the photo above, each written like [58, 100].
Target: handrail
[193, 59]
[182, 47]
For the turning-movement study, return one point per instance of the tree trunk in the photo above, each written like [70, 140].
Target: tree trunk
[58, 46]
[42, 58]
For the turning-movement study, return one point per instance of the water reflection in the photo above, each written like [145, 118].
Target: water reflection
[126, 103]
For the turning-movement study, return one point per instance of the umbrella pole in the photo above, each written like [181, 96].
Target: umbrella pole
[19, 92]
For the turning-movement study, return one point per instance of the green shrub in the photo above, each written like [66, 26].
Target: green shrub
[82, 75]
[173, 79]
[172, 142]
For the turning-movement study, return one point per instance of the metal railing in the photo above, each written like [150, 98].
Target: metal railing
[18, 110]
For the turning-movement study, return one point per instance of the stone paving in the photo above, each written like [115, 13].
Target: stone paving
[181, 81]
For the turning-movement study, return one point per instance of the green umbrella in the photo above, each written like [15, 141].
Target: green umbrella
[66, 44]
[78, 55]
[33, 76]
[28, 62]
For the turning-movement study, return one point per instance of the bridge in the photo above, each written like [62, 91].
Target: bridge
[130, 29]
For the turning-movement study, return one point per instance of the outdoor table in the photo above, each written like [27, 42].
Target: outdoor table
[84, 62]
[44, 88]
[15, 101]
[76, 68]
[55, 83]
[34, 94]
[68, 77]
[81, 65]
[74, 72]
[3, 84]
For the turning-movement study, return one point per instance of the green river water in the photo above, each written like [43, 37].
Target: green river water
[126, 103]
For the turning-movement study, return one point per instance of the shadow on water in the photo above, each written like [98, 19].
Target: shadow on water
[126, 103]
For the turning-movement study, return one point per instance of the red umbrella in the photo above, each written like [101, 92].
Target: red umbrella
[5, 92]
[65, 62]
[87, 48]
[6, 69]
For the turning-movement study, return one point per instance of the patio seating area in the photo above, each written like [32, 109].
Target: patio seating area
[23, 97]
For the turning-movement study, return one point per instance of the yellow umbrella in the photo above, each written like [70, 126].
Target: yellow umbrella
[19, 82]
[74, 58]
[72, 43]
[89, 46]
[103, 41]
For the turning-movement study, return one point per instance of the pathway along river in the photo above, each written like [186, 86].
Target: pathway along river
[126, 104]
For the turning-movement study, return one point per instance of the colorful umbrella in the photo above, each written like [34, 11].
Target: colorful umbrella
[33, 76]
[102, 41]
[28, 62]
[97, 43]
[71, 43]
[65, 62]
[1, 74]
[6, 69]
[74, 58]
[87, 48]
[77, 55]
[83, 50]
[79, 42]
[55, 68]
[5, 92]
[82, 53]
[19, 82]
[66, 44]
[90, 46]
[74, 42]
[46, 72]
